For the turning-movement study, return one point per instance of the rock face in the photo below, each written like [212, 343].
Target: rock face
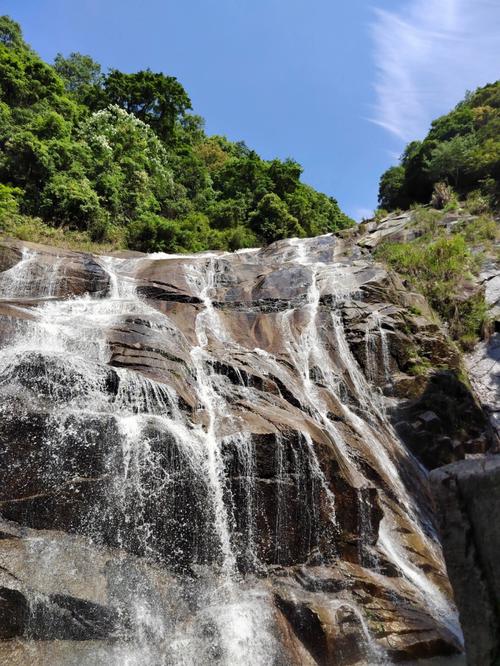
[211, 458]
[444, 442]
[483, 363]
[468, 498]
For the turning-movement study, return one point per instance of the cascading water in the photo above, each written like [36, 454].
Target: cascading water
[377, 351]
[311, 348]
[207, 480]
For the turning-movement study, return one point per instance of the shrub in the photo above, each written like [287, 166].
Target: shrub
[426, 219]
[468, 319]
[37, 231]
[152, 233]
[240, 237]
[436, 269]
[379, 214]
[477, 202]
[9, 201]
[442, 195]
[482, 229]
[70, 201]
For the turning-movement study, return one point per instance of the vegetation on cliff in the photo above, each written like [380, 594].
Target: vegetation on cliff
[440, 255]
[451, 183]
[121, 159]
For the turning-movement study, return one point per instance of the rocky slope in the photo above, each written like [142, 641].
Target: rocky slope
[483, 362]
[221, 458]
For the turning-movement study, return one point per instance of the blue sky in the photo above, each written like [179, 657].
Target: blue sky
[340, 86]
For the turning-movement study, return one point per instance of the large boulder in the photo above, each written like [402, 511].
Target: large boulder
[29, 270]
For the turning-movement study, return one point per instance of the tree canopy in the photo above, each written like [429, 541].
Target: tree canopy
[113, 152]
[461, 149]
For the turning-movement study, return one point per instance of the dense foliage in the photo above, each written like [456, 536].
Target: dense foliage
[121, 156]
[461, 149]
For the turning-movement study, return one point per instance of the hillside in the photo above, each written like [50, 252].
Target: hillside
[461, 151]
[120, 159]
[439, 228]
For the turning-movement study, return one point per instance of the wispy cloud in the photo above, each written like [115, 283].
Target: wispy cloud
[427, 54]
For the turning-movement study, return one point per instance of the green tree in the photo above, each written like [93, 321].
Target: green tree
[9, 202]
[272, 221]
[316, 213]
[10, 33]
[120, 155]
[228, 213]
[155, 98]
[72, 202]
[461, 148]
[129, 167]
[151, 232]
[244, 175]
[391, 189]
[459, 122]
[451, 160]
[214, 151]
[25, 80]
[80, 73]
[285, 176]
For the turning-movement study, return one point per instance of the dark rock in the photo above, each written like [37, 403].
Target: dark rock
[53, 272]
[446, 421]
[308, 627]
[60, 617]
[9, 256]
[429, 419]
[57, 617]
[60, 474]
[468, 498]
[14, 613]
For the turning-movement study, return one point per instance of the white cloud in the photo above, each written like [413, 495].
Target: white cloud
[427, 54]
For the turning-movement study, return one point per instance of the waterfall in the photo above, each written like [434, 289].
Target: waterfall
[218, 466]
[16, 281]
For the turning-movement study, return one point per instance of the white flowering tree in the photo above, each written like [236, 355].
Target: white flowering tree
[129, 165]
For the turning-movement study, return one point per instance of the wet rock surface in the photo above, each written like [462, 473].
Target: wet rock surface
[77, 273]
[203, 456]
